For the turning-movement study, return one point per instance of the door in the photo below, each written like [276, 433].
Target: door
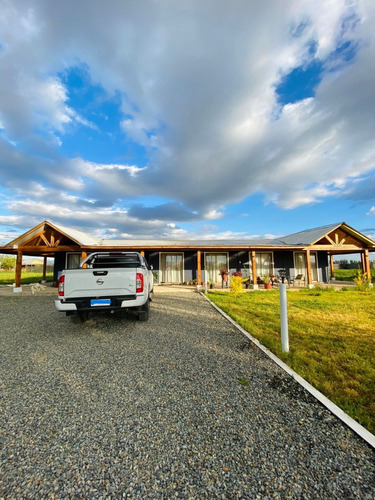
[172, 268]
[214, 262]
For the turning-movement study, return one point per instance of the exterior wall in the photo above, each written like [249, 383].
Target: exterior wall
[323, 266]
[284, 260]
[59, 265]
[238, 260]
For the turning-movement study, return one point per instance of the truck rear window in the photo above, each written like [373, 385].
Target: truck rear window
[123, 262]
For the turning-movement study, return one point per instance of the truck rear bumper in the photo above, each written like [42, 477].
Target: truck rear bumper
[86, 304]
[65, 306]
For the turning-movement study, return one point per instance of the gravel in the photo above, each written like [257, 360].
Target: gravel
[181, 406]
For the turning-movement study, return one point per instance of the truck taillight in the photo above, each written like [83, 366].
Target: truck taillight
[139, 280]
[60, 286]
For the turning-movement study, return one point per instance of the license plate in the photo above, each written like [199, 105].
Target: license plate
[100, 302]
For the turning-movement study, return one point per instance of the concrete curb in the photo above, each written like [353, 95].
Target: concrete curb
[338, 412]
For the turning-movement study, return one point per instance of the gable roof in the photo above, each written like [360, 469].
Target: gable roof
[50, 238]
[309, 236]
[76, 236]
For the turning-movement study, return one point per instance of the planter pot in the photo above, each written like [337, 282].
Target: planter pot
[267, 286]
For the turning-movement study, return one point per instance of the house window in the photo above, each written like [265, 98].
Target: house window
[300, 265]
[73, 260]
[171, 267]
[213, 263]
[264, 263]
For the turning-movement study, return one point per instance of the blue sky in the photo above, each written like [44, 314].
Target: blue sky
[187, 120]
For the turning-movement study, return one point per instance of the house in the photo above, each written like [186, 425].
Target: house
[308, 253]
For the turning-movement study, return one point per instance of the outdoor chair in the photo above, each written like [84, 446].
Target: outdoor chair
[300, 278]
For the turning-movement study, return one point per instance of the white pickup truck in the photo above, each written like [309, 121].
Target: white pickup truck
[106, 281]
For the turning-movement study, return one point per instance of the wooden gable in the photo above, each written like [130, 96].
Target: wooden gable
[342, 239]
[44, 239]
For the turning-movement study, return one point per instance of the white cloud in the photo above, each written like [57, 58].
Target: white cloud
[197, 82]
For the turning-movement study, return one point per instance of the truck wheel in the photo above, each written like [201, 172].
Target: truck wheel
[143, 311]
[81, 317]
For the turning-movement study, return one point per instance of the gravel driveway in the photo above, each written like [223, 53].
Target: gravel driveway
[181, 406]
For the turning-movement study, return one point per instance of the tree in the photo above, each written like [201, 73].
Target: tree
[7, 262]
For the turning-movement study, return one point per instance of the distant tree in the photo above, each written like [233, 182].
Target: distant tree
[7, 262]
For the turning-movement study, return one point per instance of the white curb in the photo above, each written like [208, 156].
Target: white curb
[338, 412]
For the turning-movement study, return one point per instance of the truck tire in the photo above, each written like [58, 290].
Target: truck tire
[143, 311]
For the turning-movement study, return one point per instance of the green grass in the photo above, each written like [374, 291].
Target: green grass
[350, 274]
[331, 338]
[8, 277]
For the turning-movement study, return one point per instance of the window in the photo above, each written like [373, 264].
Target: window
[171, 268]
[215, 262]
[264, 263]
[73, 260]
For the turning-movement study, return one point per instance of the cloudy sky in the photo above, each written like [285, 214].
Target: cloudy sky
[187, 119]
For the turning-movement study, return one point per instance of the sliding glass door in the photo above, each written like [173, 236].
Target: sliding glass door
[171, 268]
[214, 263]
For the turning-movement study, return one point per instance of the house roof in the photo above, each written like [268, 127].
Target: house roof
[309, 236]
[48, 238]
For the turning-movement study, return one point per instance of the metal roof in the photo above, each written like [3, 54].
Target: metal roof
[309, 236]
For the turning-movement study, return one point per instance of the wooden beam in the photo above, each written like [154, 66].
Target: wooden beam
[308, 268]
[367, 265]
[329, 239]
[44, 268]
[331, 266]
[199, 267]
[47, 249]
[18, 269]
[254, 267]
[48, 244]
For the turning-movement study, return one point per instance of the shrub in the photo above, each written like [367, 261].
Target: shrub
[362, 281]
[235, 285]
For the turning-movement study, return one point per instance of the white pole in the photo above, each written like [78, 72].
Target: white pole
[284, 318]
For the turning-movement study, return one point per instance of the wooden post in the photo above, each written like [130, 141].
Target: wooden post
[199, 268]
[367, 265]
[363, 261]
[308, 268]
[83, 257]
[331, 266]
[44, 269]
[18, 269]
[254, 267]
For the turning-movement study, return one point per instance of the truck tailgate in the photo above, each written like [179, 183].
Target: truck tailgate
[100, 282]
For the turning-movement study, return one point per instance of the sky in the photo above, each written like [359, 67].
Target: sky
[186, 119]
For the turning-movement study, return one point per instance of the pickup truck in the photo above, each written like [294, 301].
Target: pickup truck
[107, 281]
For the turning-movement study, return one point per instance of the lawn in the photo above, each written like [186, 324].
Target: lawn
[7, 277]
[331, 337]
[350, 274]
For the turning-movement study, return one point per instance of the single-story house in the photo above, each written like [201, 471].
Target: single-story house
[308, 254]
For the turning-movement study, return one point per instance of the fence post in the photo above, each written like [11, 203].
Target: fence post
[284, 318]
